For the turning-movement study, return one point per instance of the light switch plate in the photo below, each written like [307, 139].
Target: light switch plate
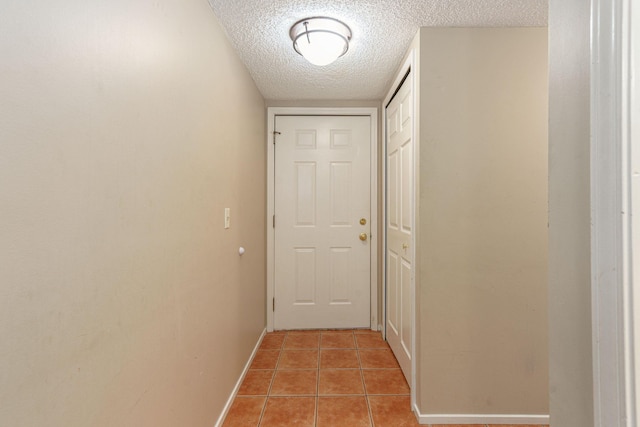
[227, 217]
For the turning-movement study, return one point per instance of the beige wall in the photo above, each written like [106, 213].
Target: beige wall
[482, 287]
[125, 130]
[570, 362]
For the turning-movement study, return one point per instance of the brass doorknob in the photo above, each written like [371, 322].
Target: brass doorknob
[405, 246]
[363, 236]
[363, 221]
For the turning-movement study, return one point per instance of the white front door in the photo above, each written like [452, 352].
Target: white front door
[322, 224]
[399, 226]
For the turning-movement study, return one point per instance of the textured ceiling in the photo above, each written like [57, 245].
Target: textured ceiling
[382, 31]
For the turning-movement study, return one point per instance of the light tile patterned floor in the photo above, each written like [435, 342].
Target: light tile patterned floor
[324, 379]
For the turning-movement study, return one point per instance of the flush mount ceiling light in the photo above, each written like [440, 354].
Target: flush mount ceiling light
[320, 40]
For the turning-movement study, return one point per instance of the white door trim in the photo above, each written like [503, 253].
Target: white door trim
[612, 130]
[272, 112]
[409, 65]
[632, 85]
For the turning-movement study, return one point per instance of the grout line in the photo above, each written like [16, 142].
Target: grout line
[315, 421]
[273, 378]
[364, 386]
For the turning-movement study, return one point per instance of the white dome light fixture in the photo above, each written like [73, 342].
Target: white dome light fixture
[320, 40]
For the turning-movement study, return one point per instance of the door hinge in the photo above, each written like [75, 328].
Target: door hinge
[274, 221]
[275, 132]
[274, 304]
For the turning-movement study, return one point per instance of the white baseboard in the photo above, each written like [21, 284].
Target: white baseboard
[234, 392]
[481, 419]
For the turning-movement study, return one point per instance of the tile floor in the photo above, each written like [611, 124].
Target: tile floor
[323, 378]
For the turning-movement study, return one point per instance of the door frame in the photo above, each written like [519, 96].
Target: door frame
[614, 130]
[409, 66]
[272, 113]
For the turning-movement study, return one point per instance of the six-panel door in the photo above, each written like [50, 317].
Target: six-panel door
[322, 197]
